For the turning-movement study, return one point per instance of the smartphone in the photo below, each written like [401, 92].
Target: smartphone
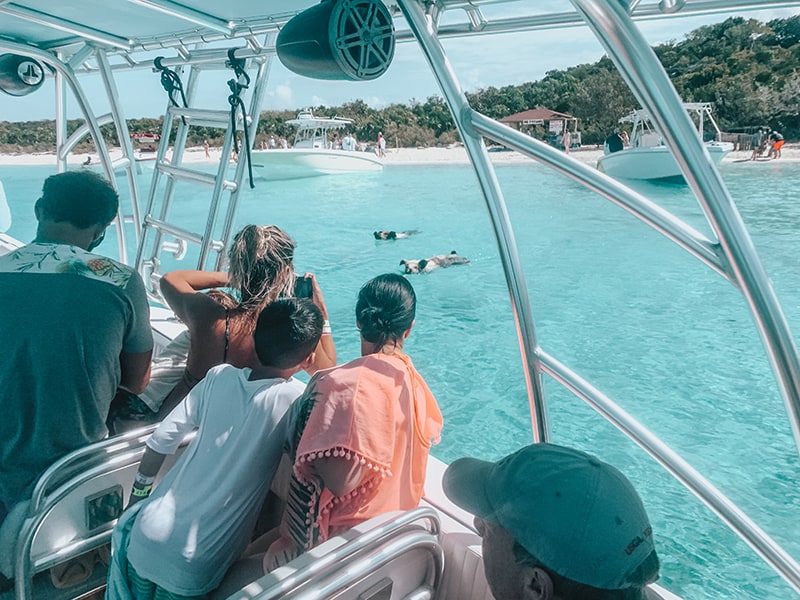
[302, 286]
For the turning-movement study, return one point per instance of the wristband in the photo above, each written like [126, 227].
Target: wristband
[326, 327]
[142, 492]
[144, 480]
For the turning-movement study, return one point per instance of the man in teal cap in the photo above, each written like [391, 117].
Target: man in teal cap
[557, 524]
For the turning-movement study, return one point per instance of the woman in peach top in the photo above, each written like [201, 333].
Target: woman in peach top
[362, 430]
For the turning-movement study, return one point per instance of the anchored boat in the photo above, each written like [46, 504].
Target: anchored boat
[648, 156]
[433, 550]
[315, 151]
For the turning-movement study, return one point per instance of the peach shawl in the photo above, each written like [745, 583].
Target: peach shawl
[376, 410]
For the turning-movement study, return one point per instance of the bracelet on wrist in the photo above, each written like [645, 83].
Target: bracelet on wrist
[326, 327]
[141, 492]
[143, 479]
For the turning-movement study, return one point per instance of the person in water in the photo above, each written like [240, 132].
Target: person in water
[260, 270]
[75, 327]
[362, 431]
[393, 235]
[556, 524]
[183, 537]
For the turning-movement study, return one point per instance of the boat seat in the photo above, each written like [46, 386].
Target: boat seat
[73, 508]
[392, 556]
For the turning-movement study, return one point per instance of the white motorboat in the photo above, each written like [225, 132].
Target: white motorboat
[81, 41]
[648, 156]
[314, 152]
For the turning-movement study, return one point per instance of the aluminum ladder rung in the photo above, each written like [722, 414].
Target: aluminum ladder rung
[201, 117]
[181, 233]
[183, 174]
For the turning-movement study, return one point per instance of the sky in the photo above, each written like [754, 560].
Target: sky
[490, 61]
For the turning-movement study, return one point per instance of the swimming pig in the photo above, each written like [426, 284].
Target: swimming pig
[393, 235]
[426, 265]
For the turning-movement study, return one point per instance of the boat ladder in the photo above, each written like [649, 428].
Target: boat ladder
[163, 228]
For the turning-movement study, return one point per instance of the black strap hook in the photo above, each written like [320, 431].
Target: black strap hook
[242, 82]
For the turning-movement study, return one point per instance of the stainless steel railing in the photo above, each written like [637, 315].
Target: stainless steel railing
[732, 256]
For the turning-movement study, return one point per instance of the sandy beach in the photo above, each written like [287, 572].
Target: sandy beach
[399, 156]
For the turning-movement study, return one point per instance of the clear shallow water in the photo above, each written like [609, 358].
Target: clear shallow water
[649, 325]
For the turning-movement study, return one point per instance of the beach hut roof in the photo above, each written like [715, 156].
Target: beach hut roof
[534, 114]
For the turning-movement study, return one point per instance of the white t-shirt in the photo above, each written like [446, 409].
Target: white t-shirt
[200, 517]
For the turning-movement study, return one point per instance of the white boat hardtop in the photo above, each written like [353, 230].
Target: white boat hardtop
[307, 120]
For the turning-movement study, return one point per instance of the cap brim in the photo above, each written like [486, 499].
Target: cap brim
[465, 483]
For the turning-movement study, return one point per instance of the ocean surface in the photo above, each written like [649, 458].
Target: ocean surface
[640, 318]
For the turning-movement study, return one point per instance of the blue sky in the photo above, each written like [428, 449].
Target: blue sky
[490, 61]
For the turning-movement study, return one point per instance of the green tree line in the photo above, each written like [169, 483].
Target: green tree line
[746, 68]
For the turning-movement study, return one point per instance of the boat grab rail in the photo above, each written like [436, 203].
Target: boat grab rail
[35, 519]
[67, 475]
[54, 475]
[333, 560]
[362, 566]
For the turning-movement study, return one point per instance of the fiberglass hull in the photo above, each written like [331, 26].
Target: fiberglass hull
[299, 163]
[653, 162]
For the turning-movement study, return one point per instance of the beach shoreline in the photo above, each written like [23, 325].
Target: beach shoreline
[394, 156]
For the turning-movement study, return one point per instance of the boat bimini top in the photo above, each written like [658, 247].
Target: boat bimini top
[354, 40]
[700, 111]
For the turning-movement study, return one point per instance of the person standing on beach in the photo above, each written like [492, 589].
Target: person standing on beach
[381, 145]
[567, 139]
[777, 143]
[757, 143]
[75, 327]
[205, 147]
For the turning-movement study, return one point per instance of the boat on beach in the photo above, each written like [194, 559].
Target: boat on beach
[647, 156]
[434, 550]
[315, 151]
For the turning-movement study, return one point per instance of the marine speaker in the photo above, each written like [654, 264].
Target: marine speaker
[339, 39]
[20, 75]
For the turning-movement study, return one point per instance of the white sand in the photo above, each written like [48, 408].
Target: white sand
[457, 154]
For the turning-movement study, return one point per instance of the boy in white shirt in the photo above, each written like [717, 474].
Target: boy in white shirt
[180, 541]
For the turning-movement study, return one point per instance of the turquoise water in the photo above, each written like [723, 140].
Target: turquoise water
[649, 325]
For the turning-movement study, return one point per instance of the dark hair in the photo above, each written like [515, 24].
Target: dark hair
[287, 331]
[81, 198]
[646, 573]
[385, 308]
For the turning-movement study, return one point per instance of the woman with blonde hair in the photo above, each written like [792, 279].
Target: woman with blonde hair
[219, 327]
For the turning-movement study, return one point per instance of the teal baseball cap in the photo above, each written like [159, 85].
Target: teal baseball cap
[576, 514]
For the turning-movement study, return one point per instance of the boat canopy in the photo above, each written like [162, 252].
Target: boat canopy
[307, 120]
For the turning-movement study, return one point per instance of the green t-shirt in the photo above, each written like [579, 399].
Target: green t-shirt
[65, 317]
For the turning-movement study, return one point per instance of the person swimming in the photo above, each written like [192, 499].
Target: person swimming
[393, 235]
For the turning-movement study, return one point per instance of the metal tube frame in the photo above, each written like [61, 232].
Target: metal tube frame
[66, 76]
[639, 66]
[730, 258]
[422, 26]
[124, 138]
[772, 553]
